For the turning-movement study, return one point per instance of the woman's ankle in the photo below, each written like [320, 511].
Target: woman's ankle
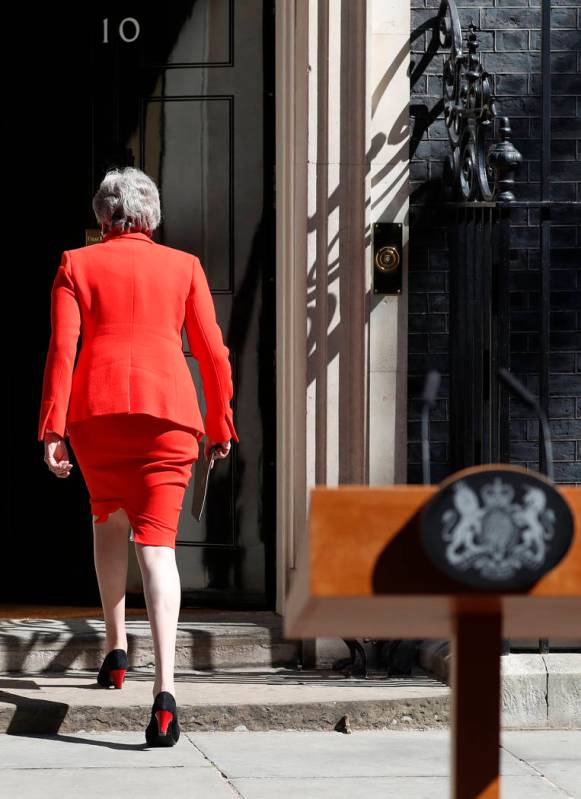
[169, 687]
[117, 645]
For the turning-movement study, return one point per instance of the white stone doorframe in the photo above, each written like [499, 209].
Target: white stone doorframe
[342, 163]
[291, 184]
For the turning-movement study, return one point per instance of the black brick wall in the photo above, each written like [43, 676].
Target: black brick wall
[509, 35]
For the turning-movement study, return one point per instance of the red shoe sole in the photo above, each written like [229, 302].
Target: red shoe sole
[164, 718]
[117, 675]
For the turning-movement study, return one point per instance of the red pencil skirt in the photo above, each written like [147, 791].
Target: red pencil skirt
[138, 462]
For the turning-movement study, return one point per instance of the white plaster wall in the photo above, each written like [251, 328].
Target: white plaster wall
[386, 168]
[383, 164]
[389, 94]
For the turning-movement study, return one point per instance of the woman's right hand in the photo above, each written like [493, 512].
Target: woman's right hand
[56, 455]
[222, 449]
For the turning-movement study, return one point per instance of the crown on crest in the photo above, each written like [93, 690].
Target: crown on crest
[497, 494]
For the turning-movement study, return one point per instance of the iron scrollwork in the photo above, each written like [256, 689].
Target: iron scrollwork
[483, 161]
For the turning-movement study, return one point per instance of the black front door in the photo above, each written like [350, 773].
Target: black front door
[183, 91]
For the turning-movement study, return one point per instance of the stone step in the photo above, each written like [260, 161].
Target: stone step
[206, 639]
[261, 699]
[537, 691]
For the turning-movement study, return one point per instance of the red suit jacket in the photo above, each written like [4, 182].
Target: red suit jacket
[130, 298]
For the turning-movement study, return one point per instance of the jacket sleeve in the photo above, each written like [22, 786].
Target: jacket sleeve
[207, 346]
[60, 359]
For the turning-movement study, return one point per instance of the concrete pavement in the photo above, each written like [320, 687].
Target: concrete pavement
[407, 764]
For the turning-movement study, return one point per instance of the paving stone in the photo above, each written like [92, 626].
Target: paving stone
[382, 787]
[84, 749]
[179, 782]
[248, 765]
[320, 754]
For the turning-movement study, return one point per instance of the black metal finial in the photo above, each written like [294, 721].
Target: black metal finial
[479, 167]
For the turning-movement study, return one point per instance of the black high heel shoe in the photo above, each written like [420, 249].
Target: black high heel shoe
[113, 669]
[163, 728]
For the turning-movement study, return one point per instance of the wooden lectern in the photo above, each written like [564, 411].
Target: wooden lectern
[492, 552]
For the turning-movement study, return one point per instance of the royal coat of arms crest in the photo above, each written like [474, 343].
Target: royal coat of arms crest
[492, 527]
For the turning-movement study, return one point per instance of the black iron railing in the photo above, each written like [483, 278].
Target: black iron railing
[479, 188]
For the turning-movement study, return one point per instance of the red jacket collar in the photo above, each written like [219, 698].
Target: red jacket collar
[130, 235]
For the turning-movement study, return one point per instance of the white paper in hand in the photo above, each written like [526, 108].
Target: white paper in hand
[201, 477]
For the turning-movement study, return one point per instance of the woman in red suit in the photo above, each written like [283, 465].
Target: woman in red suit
[130, 410]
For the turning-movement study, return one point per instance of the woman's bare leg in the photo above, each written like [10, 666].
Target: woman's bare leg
[110, 548]
[162, 590]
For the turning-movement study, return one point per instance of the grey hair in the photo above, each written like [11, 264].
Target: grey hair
[127, 198]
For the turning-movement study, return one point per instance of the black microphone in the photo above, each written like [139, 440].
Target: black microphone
[431, 386]
[529, 399]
